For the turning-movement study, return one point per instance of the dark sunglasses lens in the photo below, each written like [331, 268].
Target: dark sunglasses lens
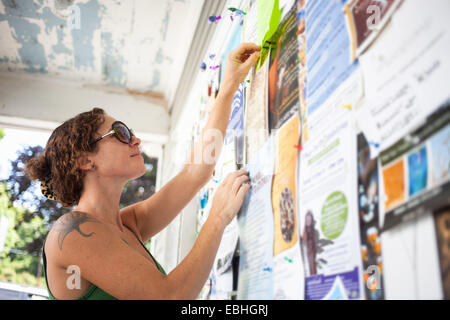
[122, 133]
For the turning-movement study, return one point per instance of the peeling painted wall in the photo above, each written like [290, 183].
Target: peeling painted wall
[135, 44]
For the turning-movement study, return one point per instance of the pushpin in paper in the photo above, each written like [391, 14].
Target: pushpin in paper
[213, 19]
[288, 260]
[375, 144]
[237, 11]
[347, 106]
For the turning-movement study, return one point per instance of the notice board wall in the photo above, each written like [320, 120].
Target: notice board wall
[344, 128]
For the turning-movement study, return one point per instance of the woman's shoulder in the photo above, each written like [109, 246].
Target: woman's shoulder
[69, 231]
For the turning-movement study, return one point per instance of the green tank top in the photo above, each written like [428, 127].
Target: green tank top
[94, 292]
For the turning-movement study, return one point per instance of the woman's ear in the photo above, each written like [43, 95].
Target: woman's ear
[85, 163]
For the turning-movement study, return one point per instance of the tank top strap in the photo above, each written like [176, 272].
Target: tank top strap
[160, 268]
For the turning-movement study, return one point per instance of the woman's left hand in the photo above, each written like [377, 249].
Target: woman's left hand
[240, 61]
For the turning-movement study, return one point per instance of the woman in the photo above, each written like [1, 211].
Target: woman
[96, 251]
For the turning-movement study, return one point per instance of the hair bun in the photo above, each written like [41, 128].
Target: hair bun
[38, 168]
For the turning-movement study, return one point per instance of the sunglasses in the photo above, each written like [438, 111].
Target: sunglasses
[120, 131]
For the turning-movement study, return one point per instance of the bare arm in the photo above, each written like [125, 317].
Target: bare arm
[156, 212]
[106, 261]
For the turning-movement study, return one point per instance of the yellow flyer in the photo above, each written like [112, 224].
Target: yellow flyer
[284, 186]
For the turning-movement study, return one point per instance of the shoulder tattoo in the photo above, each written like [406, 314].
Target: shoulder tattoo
[70, 222]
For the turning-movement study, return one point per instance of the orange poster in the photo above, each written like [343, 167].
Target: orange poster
[394, 184]
[284, 195]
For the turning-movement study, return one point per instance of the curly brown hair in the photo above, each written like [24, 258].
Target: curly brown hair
[58, 168]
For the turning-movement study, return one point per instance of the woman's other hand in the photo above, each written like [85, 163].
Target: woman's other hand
[240, 61]
[229, 197]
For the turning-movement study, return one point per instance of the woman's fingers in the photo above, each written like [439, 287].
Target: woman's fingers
[244, 51]
[238, 183]
[242, 191]
[233, 175]
[249, 62]
[246, 47]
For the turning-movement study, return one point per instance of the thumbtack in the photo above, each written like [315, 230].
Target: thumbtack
[347, 106]
[288, 260]
[375, 144]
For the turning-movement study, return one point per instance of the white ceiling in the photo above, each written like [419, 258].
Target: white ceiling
[133, 45]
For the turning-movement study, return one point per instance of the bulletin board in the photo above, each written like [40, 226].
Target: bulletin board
[344, 127]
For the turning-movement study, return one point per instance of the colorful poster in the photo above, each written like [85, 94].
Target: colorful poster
[415, 171]
[365, 20]
[442, 224]
[284, 98]
[287, 257]
[369, 224]
[284, 193]
[394, 184]
[327, 51]
[329, 218]
[256, 229]
[406, 72]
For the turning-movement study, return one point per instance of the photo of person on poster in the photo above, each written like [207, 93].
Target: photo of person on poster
[308, 237]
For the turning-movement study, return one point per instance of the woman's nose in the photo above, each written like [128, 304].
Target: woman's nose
[135, 141]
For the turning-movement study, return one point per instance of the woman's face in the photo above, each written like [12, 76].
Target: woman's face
[115, 159]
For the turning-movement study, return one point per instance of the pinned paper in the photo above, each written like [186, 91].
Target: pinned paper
[269, 17]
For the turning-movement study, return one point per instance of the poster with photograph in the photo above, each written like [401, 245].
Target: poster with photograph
[415, 170]
[369, 226]
[284, 194]
[287, 257]
[284, 98]
[329, 218]
[365, 19]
